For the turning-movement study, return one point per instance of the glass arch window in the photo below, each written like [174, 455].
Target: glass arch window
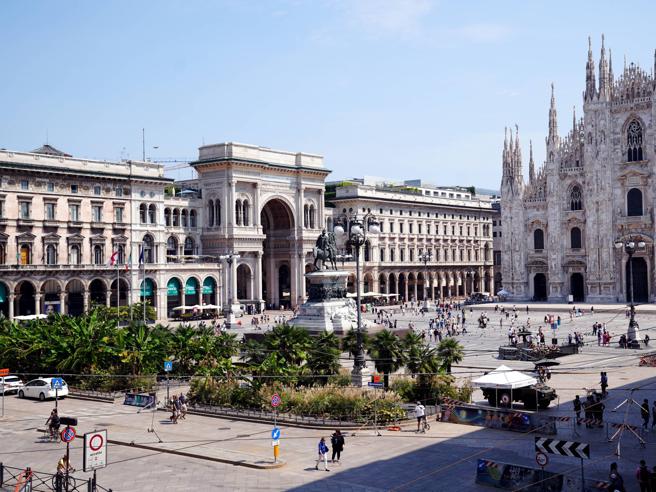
[576, 198]
[634, 202]
[634, 142]
[575, 238]
[538, 239]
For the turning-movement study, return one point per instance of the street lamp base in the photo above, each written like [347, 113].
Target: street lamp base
[230, 319]
[360, 377]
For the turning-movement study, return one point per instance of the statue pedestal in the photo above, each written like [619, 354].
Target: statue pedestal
[361, 378]
[327, 308]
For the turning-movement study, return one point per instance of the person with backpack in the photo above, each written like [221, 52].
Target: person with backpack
[643, 476]
[644, 413]
[577, 409]
[337, 441]
[616, 480]
[323, 454]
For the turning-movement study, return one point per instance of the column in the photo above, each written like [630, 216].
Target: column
[432, 288]
[405, 294]
[300, 217]
[492, 289]
[108, 298]
[12, 300]
[258, 275]
[321, 220]
[86, 300]
[37, 303]
[464, 285]
[62, 303]
[256, 205]
[415, 289]
[252, 289]
[230, 206]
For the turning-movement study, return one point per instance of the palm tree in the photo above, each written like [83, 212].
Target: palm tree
[450, 352]
[291, 343]
[424, 362]
[323, 358]
[386, 349]
[350, 342]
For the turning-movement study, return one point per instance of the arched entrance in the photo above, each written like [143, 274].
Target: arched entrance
[191, 292]
[75, 295]
[382, 283]
[402, 288]
[173, 296]
[243, 282]
[122, 292]
[576, 287]
[350, 284]
[209, 291]
[25, 297]
[98, 292]
[640, 281]
[368, 283]
[147, 292]
[420, 287]
[50, 294]
[540, 287]
[4, 300]
[277, 221]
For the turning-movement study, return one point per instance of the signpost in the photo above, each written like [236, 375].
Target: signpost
[67, 435]
[168, 367]
[57, 384]
[95, 452]
[564, 448]
[3, 372]
[541, 459]
[275, 433]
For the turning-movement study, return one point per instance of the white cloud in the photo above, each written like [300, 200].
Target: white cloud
[384, 17]
[483, 32]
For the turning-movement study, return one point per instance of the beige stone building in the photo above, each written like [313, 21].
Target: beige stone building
[452, 224]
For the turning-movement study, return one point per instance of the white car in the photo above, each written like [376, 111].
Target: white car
[42, 389]
[10, 384]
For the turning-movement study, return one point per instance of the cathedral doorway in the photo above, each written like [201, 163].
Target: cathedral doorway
[277, 221]
[540, 287]
[640, 281]
[576, 287]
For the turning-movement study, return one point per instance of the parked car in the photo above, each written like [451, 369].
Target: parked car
[42, 389]
[10, 384]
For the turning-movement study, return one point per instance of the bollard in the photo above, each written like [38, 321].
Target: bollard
[2, 474]
[276, 453]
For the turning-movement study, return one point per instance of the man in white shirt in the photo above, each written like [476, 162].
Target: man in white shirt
[420, 412]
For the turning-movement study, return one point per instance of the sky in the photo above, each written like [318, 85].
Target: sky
[395, 88]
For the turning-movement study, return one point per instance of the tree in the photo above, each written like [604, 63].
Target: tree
[323, 358]
[423, 362]
[386, 349]
[450, 352]
[350, 342]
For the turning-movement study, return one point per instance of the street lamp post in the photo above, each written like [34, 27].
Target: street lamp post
[229, 315]
[356, 228]
[630, 247]
[425, 257]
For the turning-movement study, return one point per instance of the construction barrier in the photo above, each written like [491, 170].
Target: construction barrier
[497, 418]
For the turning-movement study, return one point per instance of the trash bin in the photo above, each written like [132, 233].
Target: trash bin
[554, 341]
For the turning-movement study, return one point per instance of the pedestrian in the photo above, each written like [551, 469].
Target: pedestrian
[337, 441]
[577, 409]
[642, 475]
[616, 480]
[604, 383]
[644, 412]
[420, 413]
[323, 454]
[653, 416]
[183, 406]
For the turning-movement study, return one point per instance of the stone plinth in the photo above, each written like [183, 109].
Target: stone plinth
[327, 308]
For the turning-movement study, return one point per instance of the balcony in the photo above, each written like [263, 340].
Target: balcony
[97, 224]
[25, 222]
[75, 224]
[119, 226]
[50, 223]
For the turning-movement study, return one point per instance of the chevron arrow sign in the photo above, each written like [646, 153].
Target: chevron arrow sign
[563, 448]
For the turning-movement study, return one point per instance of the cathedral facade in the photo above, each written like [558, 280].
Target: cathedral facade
[597, 187]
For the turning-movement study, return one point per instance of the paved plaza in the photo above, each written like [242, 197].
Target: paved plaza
[442, 459]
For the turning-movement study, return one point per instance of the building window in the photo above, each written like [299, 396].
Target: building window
[494, 234]
[51, 255]
[576, 198]
[412, 254]
[192, 218]
[538, 239]
[25, 210]
[239, 214]
[25, 254]
[210, 213]
[152, 214]
[497, 257]
[391, 226]
[461, 231]
[419, 227]
[118, 191]
[313, 213]
[74, 188]
[575, 238]
[3, 253]
[74, 255]
[428, 229]
[148, 249]
[402, 254]
[50, 186]
[96, 213]
[411, 225]
[120, 257]
[392, 254]
[401, 227]
[50, 211]
[97, 190]
[634, 142]
[306, 216]
[143, 210]
[382, 254]
[97, 255]
[24, 184]
[246, 214]
[74, 212]
[118, 215]
[634, 202]
[183, 218]
[171, 249]
[217, 213]
[189, 246]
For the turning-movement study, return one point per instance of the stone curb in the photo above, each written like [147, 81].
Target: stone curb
[258, 466]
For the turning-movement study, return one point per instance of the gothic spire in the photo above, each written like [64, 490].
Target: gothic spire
[590, 84]
[574, 119]
[518, 154]
[553, 120]
[610, 70]
[604, 91]
[531, 164]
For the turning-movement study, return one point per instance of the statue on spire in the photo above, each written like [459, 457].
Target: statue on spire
[531, 164]
[590, 83]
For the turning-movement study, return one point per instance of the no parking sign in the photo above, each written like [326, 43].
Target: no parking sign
[95, 450]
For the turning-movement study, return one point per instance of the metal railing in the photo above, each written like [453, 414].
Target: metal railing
[26, 479]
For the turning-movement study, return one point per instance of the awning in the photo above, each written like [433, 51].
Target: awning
[147, 288]
[208, 285]
[191, 287]
[3, 293]
[503, 377]
[173, 287]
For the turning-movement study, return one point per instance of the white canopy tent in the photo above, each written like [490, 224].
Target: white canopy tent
[503, 377]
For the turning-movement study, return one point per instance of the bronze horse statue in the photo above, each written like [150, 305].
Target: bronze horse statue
[325, 249]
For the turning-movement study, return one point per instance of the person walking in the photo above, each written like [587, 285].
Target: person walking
[644, 413]
[323, 454]
[577, 409]
[653, 416]
[603, 383]
[616, 480]
[420, 413]
[642, 475]
[337, 442]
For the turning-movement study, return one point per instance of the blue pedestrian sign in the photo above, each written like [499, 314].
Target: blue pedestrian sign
[57, 383]
[168, 365]
[275, 434]
[375, 385]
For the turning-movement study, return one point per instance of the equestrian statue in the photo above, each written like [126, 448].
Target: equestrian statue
[325, 249]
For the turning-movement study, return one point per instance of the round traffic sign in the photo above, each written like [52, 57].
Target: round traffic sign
[541, 458]
[96, 442]
[275, 434]
[68, 434]
[275, 400]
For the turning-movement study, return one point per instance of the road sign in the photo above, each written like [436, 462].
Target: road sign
[57, 383]
[275, 442]
[275, 400]
[563, 448]
[541, 459]
[168, 365]
[375, 385]
[68, 434]
[95, 450]
[4, 372]
[275, 434]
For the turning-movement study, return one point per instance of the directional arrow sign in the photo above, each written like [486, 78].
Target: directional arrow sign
[275, 434]
[563, 448]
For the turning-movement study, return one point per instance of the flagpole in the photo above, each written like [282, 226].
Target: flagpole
[143, 262]
[118, 296]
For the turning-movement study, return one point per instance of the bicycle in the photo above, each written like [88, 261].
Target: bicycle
[424, 424]
[61, 481]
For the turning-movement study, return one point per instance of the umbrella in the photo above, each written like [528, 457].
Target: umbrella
[503, 293]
